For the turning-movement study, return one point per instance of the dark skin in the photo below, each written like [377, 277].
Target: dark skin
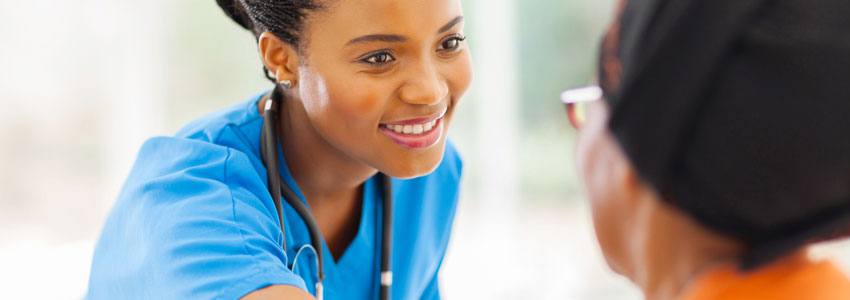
[363, 64]
[655, 245]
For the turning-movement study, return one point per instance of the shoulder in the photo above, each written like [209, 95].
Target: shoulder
[214, 156]
[176, 181]
[234, 124]
[182, 165]
[794, 277]
[216, 146]
[192, 221]
[192, 206]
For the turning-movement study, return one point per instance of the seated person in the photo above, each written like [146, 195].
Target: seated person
[721, 151]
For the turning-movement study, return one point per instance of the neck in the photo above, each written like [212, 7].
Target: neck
[669, 278]
[323, 172]
[330, 179]
[676, 252]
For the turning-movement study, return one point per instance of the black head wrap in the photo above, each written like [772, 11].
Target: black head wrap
[738, 113]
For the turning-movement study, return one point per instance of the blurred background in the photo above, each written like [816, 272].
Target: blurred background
[84, 83]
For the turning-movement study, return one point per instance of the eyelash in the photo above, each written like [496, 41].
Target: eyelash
[384, 57]
[386, 54]
[458, 38]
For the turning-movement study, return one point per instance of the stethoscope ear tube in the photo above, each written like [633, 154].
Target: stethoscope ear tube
[277, 188]
[268, 152]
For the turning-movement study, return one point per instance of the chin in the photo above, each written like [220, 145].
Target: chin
[619, 265]
[610, 246]
[613, 265]
[416, 165]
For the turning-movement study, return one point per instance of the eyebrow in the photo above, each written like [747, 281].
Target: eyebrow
[394, 38]
[390, 38]
[450, 24]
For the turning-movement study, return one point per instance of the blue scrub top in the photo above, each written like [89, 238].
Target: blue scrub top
[195, 220]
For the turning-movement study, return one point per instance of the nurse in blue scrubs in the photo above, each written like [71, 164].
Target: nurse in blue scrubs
[362, 90]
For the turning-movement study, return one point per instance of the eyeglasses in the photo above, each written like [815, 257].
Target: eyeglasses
[576, 100]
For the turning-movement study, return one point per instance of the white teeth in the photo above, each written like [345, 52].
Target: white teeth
[413, 129]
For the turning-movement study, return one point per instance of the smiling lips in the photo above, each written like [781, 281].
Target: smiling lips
[417, 133]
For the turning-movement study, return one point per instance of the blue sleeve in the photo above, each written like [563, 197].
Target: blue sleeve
[190, 223]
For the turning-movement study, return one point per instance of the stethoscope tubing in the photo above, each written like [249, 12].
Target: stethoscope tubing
[278, 189]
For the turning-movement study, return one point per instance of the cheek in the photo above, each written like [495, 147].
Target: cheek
[590, 167]
[459, 75]
[313, 91]
[595, 191]
[342, 101]
[359, 105]
[609, 215]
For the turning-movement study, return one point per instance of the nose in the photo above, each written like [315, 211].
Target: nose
[424, 85]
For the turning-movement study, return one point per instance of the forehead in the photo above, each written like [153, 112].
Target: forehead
[411, 18]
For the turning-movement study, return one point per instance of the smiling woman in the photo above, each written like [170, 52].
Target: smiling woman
[363, 90]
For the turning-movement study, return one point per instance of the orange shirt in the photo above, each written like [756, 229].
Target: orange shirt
[793, 278]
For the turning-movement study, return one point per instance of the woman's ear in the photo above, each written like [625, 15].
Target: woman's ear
[280, 58]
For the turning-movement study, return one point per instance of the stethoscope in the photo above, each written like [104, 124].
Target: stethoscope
[278, 188]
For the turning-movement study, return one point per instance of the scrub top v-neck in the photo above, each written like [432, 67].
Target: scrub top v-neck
[194, 220]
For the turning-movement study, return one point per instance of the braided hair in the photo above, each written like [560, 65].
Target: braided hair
[283, 18]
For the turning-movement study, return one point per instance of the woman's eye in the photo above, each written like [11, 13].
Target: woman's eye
[452, 43]
[380, 58]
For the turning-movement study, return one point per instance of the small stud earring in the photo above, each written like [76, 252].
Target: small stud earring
[287, 84]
